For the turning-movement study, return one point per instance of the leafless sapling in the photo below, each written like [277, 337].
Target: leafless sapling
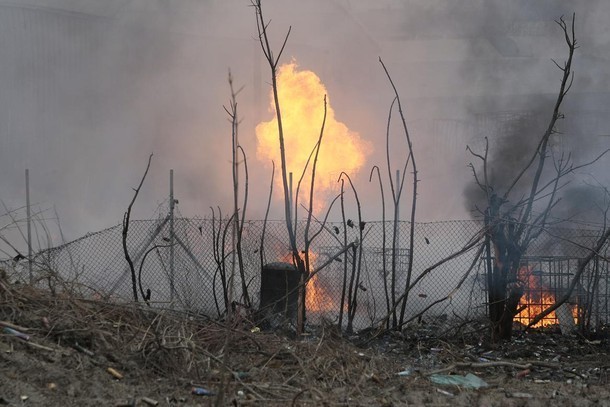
[396, 195]
[126, 219]
[238, 219]
[383, 238]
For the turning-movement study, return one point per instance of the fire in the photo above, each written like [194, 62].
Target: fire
[536, 299]
[301, 95]
[317, 298]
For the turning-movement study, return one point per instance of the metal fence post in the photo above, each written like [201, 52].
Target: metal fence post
[27, 204]
[171, 237]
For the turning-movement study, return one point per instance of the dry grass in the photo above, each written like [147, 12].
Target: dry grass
[163, 353]
[244, 364]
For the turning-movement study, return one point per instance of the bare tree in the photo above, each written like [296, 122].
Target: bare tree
[514, 221]
[238, 219]
[273, 62]
[302, 263]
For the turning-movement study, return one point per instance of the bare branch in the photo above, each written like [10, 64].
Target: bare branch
[126, 219]
[387, 149]
[262, 247]
[313, 180]
[411, 157]
[541, 151]
[279, 54]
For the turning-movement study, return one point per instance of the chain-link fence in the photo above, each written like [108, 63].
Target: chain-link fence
[183, 269]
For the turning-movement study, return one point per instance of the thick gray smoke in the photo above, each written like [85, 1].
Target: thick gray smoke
[516, 113]
[90, 88]
[512, 140]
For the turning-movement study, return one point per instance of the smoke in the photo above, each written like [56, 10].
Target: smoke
[514, 114]
[511, 141]
[513, 138]
[91, 88]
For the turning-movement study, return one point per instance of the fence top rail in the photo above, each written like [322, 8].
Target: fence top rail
[573, 232]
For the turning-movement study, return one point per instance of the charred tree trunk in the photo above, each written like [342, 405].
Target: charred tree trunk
[505, 288]
[505, 293]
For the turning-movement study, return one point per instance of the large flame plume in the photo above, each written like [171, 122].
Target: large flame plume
[301, 96]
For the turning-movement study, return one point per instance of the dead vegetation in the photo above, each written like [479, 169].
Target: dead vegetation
[58, 348]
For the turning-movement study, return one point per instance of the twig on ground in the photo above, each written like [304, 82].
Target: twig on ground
[484, 365]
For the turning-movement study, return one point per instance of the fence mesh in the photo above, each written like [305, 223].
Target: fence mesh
[185, 274]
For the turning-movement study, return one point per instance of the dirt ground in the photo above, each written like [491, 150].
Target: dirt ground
[158, 358]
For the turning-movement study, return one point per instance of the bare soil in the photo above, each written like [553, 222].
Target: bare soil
[158, 356]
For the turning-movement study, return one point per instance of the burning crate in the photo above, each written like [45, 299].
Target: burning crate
[545, 280]
[539, 293]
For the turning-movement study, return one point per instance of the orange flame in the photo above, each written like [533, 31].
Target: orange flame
[317, 298]
[301, 96]
[536, 299]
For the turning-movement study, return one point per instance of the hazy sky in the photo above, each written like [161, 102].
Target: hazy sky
[91, 88]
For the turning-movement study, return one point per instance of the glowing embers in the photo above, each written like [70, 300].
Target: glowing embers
[538, 296]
